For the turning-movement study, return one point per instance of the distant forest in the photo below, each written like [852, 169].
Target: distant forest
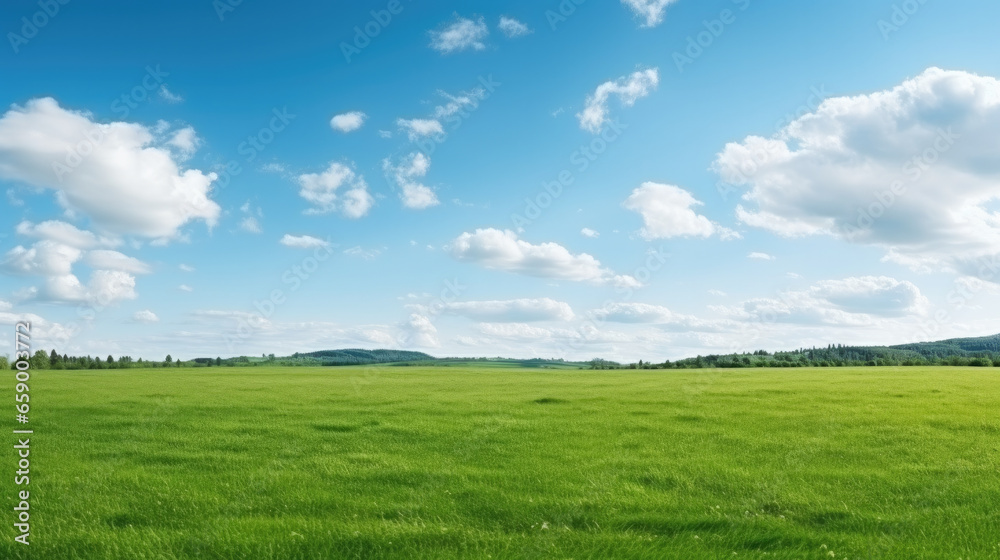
[981, 352]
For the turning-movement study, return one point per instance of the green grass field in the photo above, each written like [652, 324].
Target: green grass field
[411, 462]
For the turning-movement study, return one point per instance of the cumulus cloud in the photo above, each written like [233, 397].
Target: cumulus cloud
[115, 173]
[760, 256]
[45, 258]
[105, 287]
[64, 233]
[321, 190]
[667, 211]
[913, 170]
[460, 35]
[145, 316]
[348, 122]
[414, 194]
[502, 250]
[628, 90]
[512, 28]
[420, 332]
[303, 242]
[510, 311]
[587, 232]
[54, 256]
[651, 10]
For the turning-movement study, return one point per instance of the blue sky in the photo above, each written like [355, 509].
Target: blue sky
[175, 230]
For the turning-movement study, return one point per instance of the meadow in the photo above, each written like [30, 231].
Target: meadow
[466, 462]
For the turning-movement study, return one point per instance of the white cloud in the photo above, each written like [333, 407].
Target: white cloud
[250, 224]
[414, 194]
[587, 232]
[105, 288]
[45, 258]
[110, 281]
[186, 141]
[857, 301]
[760, 256]
[651, 10]
[303, 242]
[126, 184]
[64, 233]
[44, 333]
[512, 28]
[185, 288]
[458, 103]
[169, 96]
[628, 90]
[644, 313]
[420, 332]
[510, 311]
[366, 254]
[186, 267]
[348, 122]
[321, 191]
[460, 35]
[113, 260]
[912, 170]
[145, 316]
[420, 128]
[502, 250]
[667, 211]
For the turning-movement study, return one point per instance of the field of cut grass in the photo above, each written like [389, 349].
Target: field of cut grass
[415, 463]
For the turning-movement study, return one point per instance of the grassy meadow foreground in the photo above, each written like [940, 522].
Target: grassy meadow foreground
[412, 462]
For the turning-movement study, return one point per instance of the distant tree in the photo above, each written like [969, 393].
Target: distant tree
[169, 359]
[54, 358]
[111, 359]
[4, 362]
[218, 361]
[40, 360]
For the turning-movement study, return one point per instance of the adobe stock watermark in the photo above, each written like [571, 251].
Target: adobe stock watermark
[901, 14]
[254, 144]
[224, 7]
[580, 161]
[365, 34]
[564, 10]
[713, 29]
[292, 279]
[33, 24]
